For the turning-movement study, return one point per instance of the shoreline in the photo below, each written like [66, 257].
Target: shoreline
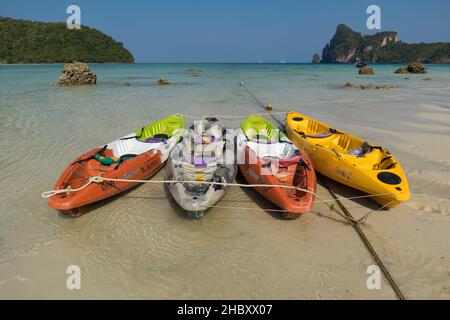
[225, 63]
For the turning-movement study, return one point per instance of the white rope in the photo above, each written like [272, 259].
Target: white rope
[362, 197]
[250, 209]
[331, 207]
[52, 193]
[265, 114]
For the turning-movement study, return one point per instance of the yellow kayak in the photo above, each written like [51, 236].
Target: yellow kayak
[349, 160]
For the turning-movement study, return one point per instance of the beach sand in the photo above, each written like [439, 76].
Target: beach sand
[141, 246]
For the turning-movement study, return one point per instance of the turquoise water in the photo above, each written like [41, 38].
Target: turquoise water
[44, 127]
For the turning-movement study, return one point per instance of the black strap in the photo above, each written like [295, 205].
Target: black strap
[98, 153]
[135, 137]
[142, 133]
[304, 135]
[391, 166]
[161, 136]
[123, 159]
[128, 138]
[334, 131]
[385, 159]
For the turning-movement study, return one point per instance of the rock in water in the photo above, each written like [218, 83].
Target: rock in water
[348, 85]
[316, 58]
[77, 73]
[402, 71]
[416, 68]
[366, 70]
[367, 86]
[162, 82]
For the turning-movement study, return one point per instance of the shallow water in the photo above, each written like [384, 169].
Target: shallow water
[140, 245]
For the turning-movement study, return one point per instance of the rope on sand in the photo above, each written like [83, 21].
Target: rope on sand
[98, 179]
[368, 245]
[232, 117]
[347, 215]
[269, 112]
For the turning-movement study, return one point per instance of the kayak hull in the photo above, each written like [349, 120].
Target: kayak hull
[376, 173]
[136, 156]
[267, 157]
[292, 201]
[141, 167]
[202, 157]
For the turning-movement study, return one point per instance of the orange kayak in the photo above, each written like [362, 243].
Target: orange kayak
[267, 157]
[137, 156]
[78, 174]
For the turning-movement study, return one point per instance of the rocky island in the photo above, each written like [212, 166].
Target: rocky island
[24, 41]
[348, 46]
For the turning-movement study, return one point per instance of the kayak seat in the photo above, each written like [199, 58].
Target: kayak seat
[256, 128]
[264, 134]
[132, 146]
[284, 162]
[160, 137]
[317, 136]
[162, 129]
[273, 150]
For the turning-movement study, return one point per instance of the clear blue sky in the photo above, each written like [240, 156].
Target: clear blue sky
[238, 30]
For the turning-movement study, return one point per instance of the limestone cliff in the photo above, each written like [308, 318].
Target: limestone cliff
[347, 46]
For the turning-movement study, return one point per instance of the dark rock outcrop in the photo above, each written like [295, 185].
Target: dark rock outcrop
[367, 86]
[316, 58]
[366, 70]
[402, 71]
[162, 82]
[415, 68]
[77, 73]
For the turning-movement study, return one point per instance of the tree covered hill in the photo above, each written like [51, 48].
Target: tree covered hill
[23, 41]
